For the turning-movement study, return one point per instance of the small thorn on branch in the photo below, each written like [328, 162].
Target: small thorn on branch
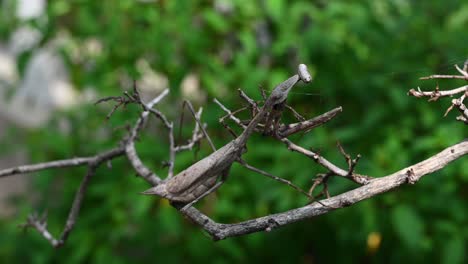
[449, 109]
[411, 176]
[461, 107]
[39, 223]
[351, 162]
[272, 223]
[435, 95]
[354, 163]
[462, 119]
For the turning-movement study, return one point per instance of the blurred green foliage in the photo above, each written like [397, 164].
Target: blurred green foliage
[364, 55]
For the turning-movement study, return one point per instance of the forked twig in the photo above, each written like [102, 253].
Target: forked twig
[437, 93]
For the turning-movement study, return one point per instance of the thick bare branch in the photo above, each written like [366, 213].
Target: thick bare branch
[373, 188]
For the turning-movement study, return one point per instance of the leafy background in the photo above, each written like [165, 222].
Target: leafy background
[364, 55]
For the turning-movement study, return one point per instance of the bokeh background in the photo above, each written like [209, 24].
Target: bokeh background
[57, 57]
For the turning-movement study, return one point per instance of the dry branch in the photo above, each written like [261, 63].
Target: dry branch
[437, 93]
[373, 188]
[266, 119]
[40, 224]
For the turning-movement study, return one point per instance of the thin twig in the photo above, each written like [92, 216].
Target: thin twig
[439, 76]
[357, 178]
[375, 187]
[107, 155]
[75, 210]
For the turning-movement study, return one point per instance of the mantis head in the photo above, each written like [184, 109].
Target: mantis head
[281, 91]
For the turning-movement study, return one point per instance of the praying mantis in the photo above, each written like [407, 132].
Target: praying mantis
[201, 178]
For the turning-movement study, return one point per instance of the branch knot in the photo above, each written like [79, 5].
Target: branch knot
[411, 176]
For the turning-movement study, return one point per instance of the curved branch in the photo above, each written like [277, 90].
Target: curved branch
[132, 156]
[376, 186]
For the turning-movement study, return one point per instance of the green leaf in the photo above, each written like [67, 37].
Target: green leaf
[453, 250]
[408, 226]
[458, 19]
[59, 8]
[275, 9]
[216, 21]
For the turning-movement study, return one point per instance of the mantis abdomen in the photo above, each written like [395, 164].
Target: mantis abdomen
[198, 178]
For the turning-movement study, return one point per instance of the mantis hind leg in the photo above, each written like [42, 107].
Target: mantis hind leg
[276, 178]
[289, 183]
[221, 180]
[197, 119]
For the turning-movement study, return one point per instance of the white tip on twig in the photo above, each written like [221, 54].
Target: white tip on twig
[304, 73]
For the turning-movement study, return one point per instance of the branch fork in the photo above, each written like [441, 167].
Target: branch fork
[437, 93]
